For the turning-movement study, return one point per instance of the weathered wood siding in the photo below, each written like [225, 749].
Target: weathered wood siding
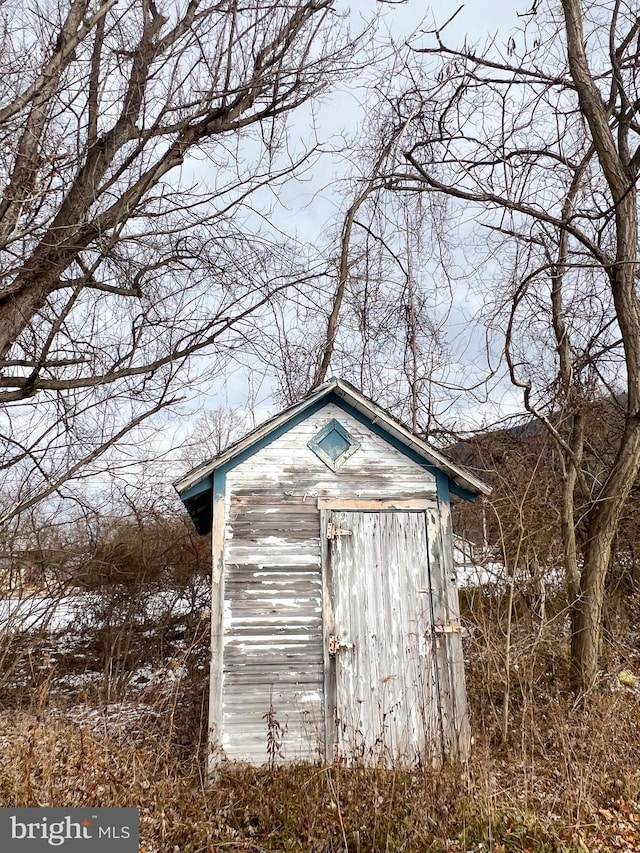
[272, 646]
[287, 467]
[449, 652]
[272, 659]
[386, 681]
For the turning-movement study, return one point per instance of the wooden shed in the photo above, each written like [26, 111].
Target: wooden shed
[335, 632]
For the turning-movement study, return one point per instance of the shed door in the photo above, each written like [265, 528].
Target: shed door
[381, 663]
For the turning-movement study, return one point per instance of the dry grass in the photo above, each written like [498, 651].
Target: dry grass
[571, 784]
[566, 777]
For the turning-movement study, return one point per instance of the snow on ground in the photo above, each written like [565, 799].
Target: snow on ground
[58, 636]
[36, 611]
[118, 715]
[470, 575]
[478, 574]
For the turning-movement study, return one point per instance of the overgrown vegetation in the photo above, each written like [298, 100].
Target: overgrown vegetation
[566, 779]
[547, 773]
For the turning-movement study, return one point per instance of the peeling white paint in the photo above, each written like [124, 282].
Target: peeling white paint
[387, 709]
[310, 698]
[273, 655]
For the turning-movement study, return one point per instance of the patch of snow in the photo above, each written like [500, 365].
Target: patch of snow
[37, 612]
[40, 612]
[112, 716]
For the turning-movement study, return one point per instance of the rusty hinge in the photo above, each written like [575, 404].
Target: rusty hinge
[448, 629]
[333, 531]
[336, 645]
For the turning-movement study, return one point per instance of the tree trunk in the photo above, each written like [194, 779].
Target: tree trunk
[602, 525]
[586, 634]
[620, 172]
[567, 524]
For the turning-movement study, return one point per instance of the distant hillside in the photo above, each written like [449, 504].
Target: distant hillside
[522, 464]
[483, 451]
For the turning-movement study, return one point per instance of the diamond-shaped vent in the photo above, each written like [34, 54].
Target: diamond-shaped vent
[333, 444]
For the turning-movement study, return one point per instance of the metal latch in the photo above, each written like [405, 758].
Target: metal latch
[333, 531]
[448, 629]
[336, 645]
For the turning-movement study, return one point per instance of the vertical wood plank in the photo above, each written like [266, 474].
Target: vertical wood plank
[386, 703]
[439, 641]
[461, 739]
[328, 627]
[217, 632]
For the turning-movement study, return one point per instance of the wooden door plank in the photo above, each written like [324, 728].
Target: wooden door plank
[385, 684]
[461, 730]
[376, 504]
[328, 623]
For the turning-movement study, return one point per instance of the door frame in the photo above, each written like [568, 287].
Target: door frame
[327, 506]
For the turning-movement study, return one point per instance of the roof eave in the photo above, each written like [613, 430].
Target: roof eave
[462, 478]
[352, 396]
[201, 471]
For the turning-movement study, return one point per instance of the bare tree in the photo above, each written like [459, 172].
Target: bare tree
[213, 432]
[380, 321]
[133, 136]
[537, 143]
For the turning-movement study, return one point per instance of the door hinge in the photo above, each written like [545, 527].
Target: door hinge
[448, 629]
[333, 531]
[336, 645]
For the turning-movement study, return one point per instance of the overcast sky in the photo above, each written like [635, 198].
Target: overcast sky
[313, 208]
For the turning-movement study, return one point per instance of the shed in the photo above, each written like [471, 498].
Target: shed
[334, 620]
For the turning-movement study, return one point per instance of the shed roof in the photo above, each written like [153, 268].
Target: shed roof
[196, 486]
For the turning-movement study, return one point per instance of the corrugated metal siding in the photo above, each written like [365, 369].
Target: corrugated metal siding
[273, 640]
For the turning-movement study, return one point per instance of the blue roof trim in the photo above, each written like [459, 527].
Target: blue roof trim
[198, 488]
[198, 502]
[219, 483]
[266, 440]
[199, 497]
[444, 484]
[214, 485]
[459, 492]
